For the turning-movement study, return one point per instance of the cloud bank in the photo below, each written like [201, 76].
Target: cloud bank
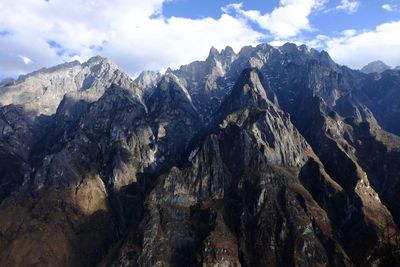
[287, 20]
[135, 34]
[354, 48]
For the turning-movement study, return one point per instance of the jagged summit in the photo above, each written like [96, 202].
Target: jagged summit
[44, 71]
[42, 91]
[148, 79]
[227, 52]
[272, 156]
[100, 61]
[172, 84]
[213, 53]
[96, 59]
[249, 91]
[289, 47]
[225, 55]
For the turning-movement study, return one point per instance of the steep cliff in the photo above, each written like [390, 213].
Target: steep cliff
[272, 156]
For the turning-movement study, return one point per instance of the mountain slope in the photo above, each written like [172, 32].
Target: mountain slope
[375, 66]
[273, 156]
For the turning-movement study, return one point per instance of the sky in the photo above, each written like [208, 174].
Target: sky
[155, 34]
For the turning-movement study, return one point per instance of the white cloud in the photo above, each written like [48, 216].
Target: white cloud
[387, 7]
[356, 49]
[350, 6]
[25, 59]
[285, 21]
[135, 35]
[132, 33]
[392, 6]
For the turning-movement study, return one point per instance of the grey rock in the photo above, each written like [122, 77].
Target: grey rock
[272, 156]
[375, 66]
[42, 91]
[148, 80]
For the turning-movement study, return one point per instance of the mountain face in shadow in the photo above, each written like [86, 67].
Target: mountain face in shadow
[272, 156]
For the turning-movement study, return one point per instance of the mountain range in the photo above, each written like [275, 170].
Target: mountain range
[272, 156]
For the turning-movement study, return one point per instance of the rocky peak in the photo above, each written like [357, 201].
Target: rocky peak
[289, 169]
[171, 94]
[148, 80]
[96, 60]
[98, 64]
[213, 54]
[249, 91]
[250, 82]
[327, 61]
[228, 52]
[289, 48]
[225, 57]
[201, 78]
[49, 71]
[173, 118]
[375, 66]
[170, 83]
[245, 51]
[42, 91]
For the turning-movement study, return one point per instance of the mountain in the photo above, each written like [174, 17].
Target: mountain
[375, 66]
[272, 156]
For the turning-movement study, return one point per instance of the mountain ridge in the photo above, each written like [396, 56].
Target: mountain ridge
[375, 66]
[274, 156]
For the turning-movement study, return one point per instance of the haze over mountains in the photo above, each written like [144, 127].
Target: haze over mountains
[273, 156]
[375, 66]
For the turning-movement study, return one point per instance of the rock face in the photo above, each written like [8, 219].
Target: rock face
[375, 66]
[273, 156]
[42, 91]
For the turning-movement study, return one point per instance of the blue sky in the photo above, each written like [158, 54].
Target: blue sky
[211, 8]
[155, 34]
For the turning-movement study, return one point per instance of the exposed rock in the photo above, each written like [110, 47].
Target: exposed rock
[274, 156]
[375, 66]
[42, 91]
[380, 92]
[148, 80]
